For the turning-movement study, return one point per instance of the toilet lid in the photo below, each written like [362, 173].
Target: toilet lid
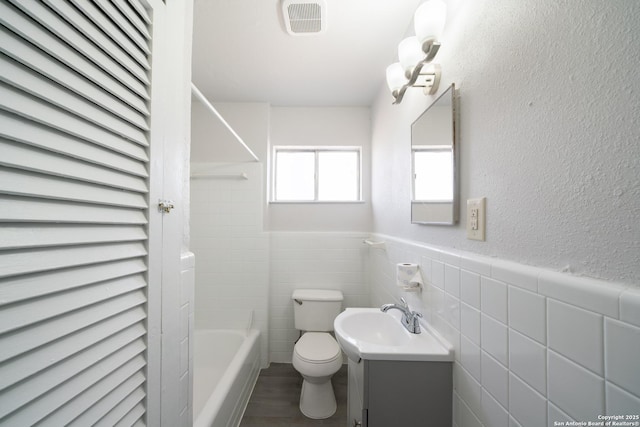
[317, 347]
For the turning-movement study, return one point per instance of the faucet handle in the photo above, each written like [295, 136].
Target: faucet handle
[404, 302]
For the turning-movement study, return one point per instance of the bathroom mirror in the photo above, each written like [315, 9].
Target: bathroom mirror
[434, 192]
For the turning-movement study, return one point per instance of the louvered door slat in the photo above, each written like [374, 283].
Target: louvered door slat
[50, 187]
[105, 43]
[20, 288]
[29, 339]
[20, 412]
[21, 209]
[95, 389]
[16, 317]
[19, 369]
[73, 38]
[133, 417]
[25, 236]
[23, 27]
[75, 212]
[110, 29]
[21, 156]
[134, 18]
[47, 380]
[31, 82]
[21, 262]
[34, 58]
[30, 108]
[112, 408]
[141, 11]
[17, 129]
[140, 39]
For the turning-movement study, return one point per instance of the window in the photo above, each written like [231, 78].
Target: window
[316, 174]
[433, 174]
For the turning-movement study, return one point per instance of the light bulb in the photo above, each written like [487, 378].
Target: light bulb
[410, 53]
[429, 21]
[395, 77]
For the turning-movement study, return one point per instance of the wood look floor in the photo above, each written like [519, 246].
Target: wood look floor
[276, 398]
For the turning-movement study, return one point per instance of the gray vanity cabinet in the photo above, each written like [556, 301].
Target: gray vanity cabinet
[384, 393]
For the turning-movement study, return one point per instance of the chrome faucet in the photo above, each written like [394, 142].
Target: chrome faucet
[410, 319]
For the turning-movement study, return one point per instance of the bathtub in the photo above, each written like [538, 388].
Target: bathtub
[226, 366]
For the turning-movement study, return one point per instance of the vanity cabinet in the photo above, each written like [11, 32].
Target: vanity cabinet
[385, 393]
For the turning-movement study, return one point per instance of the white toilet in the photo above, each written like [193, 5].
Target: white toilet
[316, 355]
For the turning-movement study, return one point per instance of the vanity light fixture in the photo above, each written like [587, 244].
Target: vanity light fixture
[415, 53]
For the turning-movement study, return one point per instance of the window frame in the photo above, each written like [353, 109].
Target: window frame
[316, 150]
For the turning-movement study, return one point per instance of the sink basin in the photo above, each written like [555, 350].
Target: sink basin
[368, 333]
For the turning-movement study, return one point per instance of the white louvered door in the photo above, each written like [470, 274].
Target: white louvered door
[75, 218]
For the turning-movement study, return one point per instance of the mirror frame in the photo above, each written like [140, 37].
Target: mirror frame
[455, 208]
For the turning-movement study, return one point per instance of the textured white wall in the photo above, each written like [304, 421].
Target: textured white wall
[548, 133]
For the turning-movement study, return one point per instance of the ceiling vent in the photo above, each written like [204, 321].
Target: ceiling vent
[304, 17]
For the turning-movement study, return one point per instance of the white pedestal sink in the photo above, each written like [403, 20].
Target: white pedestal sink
[368, 333]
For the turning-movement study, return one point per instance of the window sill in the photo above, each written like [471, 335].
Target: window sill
[316, 202]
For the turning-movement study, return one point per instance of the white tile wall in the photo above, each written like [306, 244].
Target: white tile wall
[315, 261]
[623, 367]
[577, 334]
[232, 278]
[533, 347]
[187, 285]
[574, 389]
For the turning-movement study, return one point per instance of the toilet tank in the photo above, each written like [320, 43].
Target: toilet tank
[316, 309]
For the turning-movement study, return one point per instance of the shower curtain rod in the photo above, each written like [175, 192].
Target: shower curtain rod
[206, 102]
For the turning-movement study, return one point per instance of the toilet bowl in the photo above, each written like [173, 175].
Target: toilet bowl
[317, 356]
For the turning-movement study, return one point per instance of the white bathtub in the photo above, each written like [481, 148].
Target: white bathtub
[226, 366]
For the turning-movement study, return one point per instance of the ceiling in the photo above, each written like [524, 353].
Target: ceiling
[243, 53]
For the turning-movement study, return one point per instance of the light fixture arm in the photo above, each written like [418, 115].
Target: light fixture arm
[432, 77]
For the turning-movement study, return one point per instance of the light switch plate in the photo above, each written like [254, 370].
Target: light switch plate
[476, 214]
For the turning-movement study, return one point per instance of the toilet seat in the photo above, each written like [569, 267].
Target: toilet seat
[317, 347]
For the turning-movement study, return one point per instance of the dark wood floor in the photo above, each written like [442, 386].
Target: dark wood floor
[275, 400]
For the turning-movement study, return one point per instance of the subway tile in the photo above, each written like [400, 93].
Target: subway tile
[437, 302]
[476, 264]
[450, 258]
[493, 414]
[620, 401]
[622, 354]
[513, 422]
[464, 416]
[577, 334]
[493, 337]
[630, 306]
[495, 378]
[493, 296]
[426, 269]
[590, 294]
[556, 416]
[470, 323]
[470, 288]
[574, 389]
[528, 360]
[467, 388]
[452, 280]
[526, 405]
[452, 311]
[528, 314]
[470, 357]
[515, 274]
[437, 273]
